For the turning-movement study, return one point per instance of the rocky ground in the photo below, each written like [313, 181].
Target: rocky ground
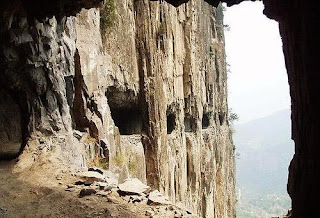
[91, 192]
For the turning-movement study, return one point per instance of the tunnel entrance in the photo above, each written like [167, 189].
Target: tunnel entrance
[125, 110]
[206, 117]
[128, 120]
[221, 118]
[171, 122]
[11, 125]
[259, 94]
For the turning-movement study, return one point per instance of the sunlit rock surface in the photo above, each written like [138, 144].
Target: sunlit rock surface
[147, 99]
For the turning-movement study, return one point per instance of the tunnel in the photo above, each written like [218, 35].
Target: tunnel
[11, 125]
[299, 28]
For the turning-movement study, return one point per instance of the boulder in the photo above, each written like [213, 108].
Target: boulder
[156, 198]
[111, 178]
[87, 192]
[91, 177]
[133, 186]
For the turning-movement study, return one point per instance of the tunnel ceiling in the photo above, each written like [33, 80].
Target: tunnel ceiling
[47, 8]
[274, 9]
[298, 22]
[60, 8]
[211, 2]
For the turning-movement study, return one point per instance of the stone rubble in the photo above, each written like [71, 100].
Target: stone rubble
[90, 177]
[156, 198]
[148, 101]
[133, 187]
[132, 191]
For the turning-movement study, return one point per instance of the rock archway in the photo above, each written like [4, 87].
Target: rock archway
[298, 21]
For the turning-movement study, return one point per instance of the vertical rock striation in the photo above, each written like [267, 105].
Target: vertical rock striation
[166, 90]
[145, 99]
[36, 69]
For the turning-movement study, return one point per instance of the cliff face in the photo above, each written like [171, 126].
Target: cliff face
[145, 98]
[179, 63]
[297, 20]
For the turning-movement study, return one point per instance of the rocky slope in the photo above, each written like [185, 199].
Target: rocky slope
[145, 97]
[93, 193]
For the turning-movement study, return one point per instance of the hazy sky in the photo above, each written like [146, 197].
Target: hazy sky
[258, 83]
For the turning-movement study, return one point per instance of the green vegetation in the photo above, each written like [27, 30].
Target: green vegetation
[226, 27]
[90, 140]
[132, 167]
[103, 163]
[233, 117]
[107, 16]
[100, 162]
[119, 159]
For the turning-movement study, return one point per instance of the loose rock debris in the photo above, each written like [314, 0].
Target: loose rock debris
[104, 183]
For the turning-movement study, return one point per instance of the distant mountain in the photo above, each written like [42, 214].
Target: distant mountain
[264, 149]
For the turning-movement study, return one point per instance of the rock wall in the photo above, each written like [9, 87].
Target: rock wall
[298, 22]
[146, 99]
[181, 63]
[300, 46]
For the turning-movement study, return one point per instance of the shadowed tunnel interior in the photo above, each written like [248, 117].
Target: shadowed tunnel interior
[298, 22]
[13, 123]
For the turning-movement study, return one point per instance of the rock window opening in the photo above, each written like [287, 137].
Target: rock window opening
[206, 120]
[261, 108]
[125, 110]
[128, 120]
[189, 124]
[171, 123]
[221, 118]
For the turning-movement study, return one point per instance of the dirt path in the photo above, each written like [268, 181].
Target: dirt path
[21, 198]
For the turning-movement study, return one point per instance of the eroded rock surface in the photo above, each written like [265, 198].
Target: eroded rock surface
[147, 99]
[11, 135]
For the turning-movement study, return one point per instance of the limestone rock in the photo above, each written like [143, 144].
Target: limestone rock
[78, 134]
[91, 177]
[133, 187]
[102, 185]
[170, 63]
[10, 125]
[148, 101]
[110, 178]
[149, 213]
[156, 198]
